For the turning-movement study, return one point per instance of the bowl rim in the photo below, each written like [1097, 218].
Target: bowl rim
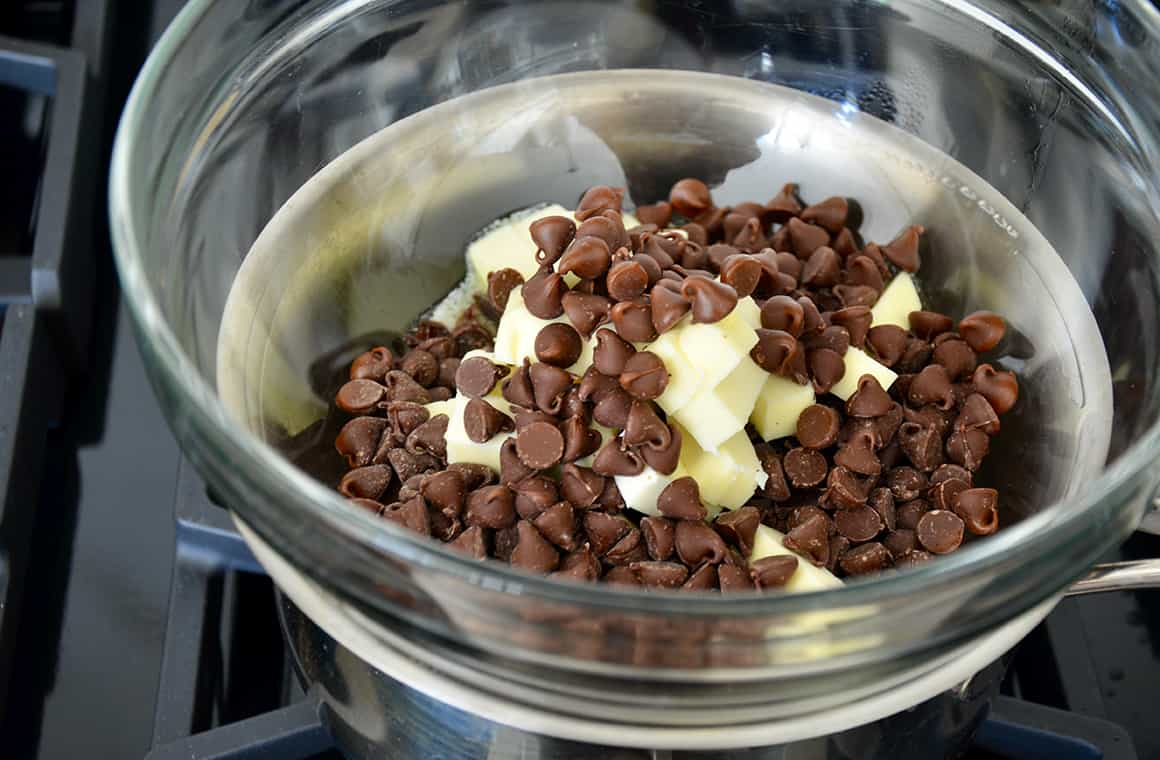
[1033, 535]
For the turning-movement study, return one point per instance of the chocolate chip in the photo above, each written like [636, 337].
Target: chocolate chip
[500, 285]
[359, 396]
[906, 483]
[932, 386]
[858, 525]
[888, 343]
[844, 243]
[1000, 388]
[411, 514]
[580, 565]
[812, 322]
[856, 295]
[785, 204]
[805, 467]
[835, 338]
[783, 313]
[368, 482]
[697, 234]
[491, 507]
[652, 268]
[645, 427]
[903, 250]
[430, 437]
[857, 454]
[940, 531]
[627, 280]
[611, 353]
[899, 542]
[742, 273]
[585, 311]
[472, 542]
[982, 330]
[474, 475]
[928, 324]
[805, 238]
[511, 469]
[621, 576]
[774, 571]
[811, 539]
[611, 460]
[869, 400]
[659, 536]
[668, 308]
[956, 356]
[789, 265]
[690, 198]
[557, 523]
[373, 364]
[644, 376]
[482, 421]
[822, 268]
[861, 271]
[856, 320]
[657, 574]
[558, 344]
[633, 320]
[910, 513]
[525, 417]
[881, 500]
[540, 445]
[477, 376]
[552, 234]
[968, 447]
[422, 366]
[830, 213]
[517, 389]
[609, 227]
[612, 408]
[402, 387]
[681, 500]
[922, 445]
[914, 358]
[979, 509]
[703, 578]
[696, 542]
[712, 301]
[579, 439]
[739, 526]
[358, 440]
[659, 214]
[504, 542]
[544, 293]
[448, 368]
[580, 485]
[818, 426]
[802, 514]
[532, 551]
[867, 558]
[444, 491]
[599, 199]
[663, 459]
[732, 579]
[779, 353]
[827, 368]
[604, 531]
[775, 487]
[977, 414]
[843, 489]
[549, 386]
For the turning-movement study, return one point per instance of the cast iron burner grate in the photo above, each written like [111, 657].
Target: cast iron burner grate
[228, 690]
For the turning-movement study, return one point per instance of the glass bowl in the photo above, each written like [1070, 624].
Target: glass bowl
[1023, 136]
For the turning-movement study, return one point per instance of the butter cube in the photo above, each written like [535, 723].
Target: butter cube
[684, 375]
[898, 299]
[716, 349]
[859, 363]
[441, 407]
[460, 448]
[779, 405]
[715, 414]
[767, 542]
[640, 492]
[749, 312]
[728, 476]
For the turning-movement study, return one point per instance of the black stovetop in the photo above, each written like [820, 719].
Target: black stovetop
[128, 639]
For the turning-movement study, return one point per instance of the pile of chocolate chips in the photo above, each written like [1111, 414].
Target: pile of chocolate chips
[885, 479]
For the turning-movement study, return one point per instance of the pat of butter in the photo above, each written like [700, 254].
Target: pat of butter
[515, 337]
[767, 542]
[441, 407]
[779, 405]
[716, 414]
[684, 375]
[716, 349]
[640, 492]
[728, 476]
[896, 302]
[859, 363]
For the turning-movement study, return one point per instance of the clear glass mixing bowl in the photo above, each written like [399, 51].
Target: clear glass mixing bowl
[1049, 109]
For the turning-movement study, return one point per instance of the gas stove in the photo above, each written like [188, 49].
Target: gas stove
[134, 622]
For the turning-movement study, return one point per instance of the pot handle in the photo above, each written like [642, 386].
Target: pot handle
[1118, 576]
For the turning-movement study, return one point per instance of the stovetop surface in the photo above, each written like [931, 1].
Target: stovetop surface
[93, 627]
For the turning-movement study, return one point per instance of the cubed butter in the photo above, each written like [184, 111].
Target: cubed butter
[716, 414]
[896, 302]
[859, 363]
[716, 349]
[441, 407]
[728, 476]
[748, 311]
[767, 542]
[684, 375]
[640, 492]
[779, 405]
